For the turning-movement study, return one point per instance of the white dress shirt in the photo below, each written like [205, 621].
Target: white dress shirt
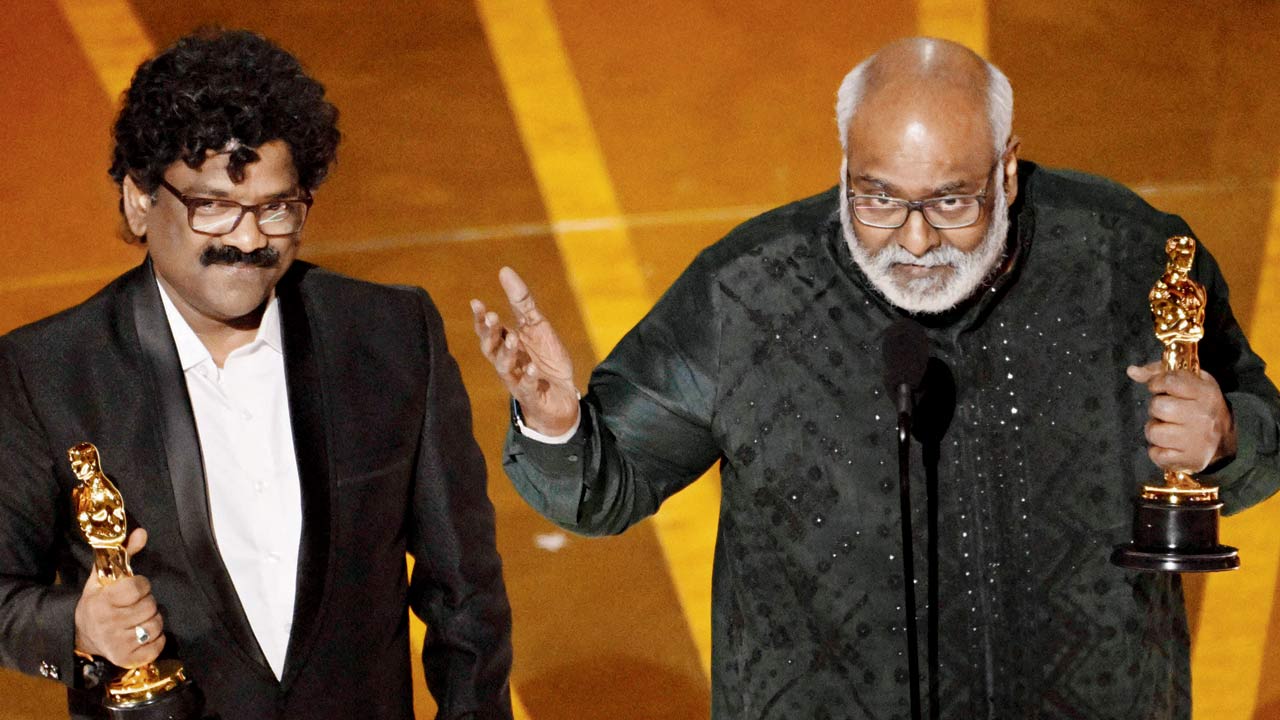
[246, 438]
[561, 439]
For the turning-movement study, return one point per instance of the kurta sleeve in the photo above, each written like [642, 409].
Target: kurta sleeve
[646, 428]
[37, 616]
[456, 586]
[1253, 474]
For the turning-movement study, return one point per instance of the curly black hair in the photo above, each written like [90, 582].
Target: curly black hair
[215, 86]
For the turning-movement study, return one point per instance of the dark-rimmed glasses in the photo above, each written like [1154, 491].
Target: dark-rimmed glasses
[217, 216]
[949, 212]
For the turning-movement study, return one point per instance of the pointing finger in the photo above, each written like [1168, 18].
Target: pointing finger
[518, 295]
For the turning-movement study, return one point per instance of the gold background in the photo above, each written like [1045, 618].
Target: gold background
[596, 147]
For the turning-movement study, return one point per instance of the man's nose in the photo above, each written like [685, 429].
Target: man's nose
[916, 235]
[246, 236]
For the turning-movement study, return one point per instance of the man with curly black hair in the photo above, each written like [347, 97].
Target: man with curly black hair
[282, 436]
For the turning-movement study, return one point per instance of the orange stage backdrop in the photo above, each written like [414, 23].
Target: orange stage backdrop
[596, 147]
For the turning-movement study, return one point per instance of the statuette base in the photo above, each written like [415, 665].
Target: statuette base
[166, 696]
[1176, 533]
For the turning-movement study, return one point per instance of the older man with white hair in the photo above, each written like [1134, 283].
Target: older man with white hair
[1031, 285]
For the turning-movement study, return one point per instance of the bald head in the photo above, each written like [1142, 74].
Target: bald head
[924, 59]
[928, 77]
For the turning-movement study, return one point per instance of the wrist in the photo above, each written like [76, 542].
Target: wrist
[555, 432]
[1227, 449]
[1228, 444]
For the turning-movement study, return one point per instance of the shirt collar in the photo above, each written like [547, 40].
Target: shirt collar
[191, 350]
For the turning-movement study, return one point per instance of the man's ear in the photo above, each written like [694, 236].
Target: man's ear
[136, 205]
[1010, 161]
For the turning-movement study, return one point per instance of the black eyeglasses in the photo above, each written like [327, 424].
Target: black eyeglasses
[216, 216]
[948, 212]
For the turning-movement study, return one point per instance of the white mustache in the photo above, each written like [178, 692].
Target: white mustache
[897, 255]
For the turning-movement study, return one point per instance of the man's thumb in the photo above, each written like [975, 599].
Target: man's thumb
[137, 540]
[1142, 373]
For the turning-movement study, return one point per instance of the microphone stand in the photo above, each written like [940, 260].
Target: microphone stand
[908, 561]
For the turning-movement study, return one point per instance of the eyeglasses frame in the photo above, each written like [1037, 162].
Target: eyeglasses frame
[920, 205]
[191, 201]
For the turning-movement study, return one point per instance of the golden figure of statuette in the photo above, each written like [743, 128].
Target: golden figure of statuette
[1177, 307]
[99, 513]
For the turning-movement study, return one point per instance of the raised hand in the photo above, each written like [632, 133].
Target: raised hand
[529, 358]
[1190, 425]
[120, 621]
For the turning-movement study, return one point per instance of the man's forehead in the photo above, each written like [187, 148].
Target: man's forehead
[899, 131]
[919, 165]
[935, 106]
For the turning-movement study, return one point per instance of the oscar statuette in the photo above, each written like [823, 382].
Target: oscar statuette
[1175, 525]
[155, 691]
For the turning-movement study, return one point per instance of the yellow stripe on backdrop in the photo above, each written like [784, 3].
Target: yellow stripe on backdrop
[1230, 650]
[601, 265]
[115, 43]
[568, 165]
[964, 21]
[112, 40]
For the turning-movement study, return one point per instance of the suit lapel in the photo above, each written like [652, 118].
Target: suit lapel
[185, 462]
[311, 446]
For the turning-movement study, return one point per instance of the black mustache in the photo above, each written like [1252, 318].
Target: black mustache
[228, 255]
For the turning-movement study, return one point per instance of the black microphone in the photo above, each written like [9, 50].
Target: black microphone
[906, 356]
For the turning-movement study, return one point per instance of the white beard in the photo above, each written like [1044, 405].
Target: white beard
[969, 270]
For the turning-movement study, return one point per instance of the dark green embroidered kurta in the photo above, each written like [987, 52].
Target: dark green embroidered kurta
[764, 356]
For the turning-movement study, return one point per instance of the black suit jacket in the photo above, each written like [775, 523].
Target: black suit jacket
[387, 462]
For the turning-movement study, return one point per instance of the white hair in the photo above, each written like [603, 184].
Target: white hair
[999, 99]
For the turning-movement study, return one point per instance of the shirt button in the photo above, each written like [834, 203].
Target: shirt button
[573, 458]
